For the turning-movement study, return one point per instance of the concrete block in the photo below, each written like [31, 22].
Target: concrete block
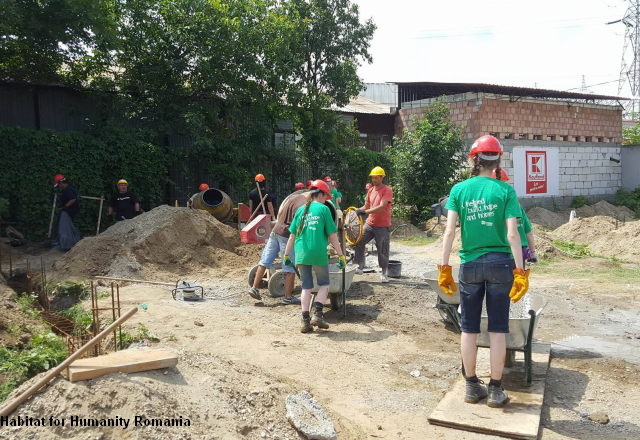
[574, 163]
[575, 177]
[575, 192]
[569, 156]
[580, 185]
[562, 185]
[587, 184]
[565, 178]
[564, 149]
[565, 163]
[571, 185]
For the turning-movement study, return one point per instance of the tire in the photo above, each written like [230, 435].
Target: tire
[443, 314]
[277, 284]
[335, 300]
[252, 277]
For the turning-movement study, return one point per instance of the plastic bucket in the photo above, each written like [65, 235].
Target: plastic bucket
[395, 269]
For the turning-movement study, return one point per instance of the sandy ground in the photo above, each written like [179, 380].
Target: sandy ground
[239, 359]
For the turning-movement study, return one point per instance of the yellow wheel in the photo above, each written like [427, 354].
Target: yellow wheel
[353, 225]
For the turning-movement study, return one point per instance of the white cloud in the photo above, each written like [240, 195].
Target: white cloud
[548, 43]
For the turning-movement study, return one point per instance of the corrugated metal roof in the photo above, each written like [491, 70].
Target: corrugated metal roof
[435, 89]
[360, 104]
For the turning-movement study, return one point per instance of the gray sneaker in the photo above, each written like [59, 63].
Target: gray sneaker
[497, 397]
[255, 294]
[359, 271]
[318, 321]
[306, 325]
[290, 300]
[475, 392]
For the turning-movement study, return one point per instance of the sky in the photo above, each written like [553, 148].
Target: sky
[530, 43]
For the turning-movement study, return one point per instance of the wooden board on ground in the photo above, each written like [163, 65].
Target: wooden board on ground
[126, 361]
[520, 418]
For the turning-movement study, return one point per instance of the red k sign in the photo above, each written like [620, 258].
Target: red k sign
[536, 172]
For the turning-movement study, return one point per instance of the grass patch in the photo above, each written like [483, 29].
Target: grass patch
[77, 289]
[418, 240]
[570, 247]
[606, 271]
[142, 332]
[16, 366]
[79, 315]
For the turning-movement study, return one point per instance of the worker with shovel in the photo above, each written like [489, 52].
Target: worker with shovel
[491, 263]
[377, 207]
[124, 203]
[311, 230]
[524, 229]
[277, 243]
[256, 196]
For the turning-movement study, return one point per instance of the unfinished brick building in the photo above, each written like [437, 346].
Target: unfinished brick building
[577, 136]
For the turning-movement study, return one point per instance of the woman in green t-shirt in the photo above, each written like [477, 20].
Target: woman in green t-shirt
[311, 230]
[488, 210]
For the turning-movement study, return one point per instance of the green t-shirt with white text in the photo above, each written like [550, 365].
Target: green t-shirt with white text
[335, 195]
[311, 243]
[524, 227]
[483, 205]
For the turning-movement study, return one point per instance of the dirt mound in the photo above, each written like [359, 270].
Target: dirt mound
[403, 232]
[164, 240]
[605, 208]
[545, 218]
[602, 236]
[585, 230]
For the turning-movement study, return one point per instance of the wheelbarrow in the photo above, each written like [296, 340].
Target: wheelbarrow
[446, 305]
[274, 278]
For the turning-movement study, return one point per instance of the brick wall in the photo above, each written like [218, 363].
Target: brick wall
[525, 119]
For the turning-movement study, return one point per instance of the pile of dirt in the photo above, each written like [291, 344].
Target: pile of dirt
[164, 240]
[602, 236]
[16, 327]
[605, 208]
[585, 230]
[403, 232]
[545, 218]
[434, 250]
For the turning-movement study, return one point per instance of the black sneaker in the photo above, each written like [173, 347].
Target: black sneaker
[318, 321]
[306, 325]
[475, 392]
[255, 294]
[497, 397]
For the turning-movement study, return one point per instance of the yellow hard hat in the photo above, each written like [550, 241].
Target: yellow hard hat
[377, 171]
[123, 181]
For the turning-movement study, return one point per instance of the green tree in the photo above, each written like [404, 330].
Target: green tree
[327, 45]
[427, 162]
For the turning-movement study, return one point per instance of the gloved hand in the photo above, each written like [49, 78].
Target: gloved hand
[287, 261]
[445, 280]
[533, 259]
[520, 284]
[361, 212]
[342, 262]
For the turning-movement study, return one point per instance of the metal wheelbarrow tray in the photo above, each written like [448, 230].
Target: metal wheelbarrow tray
[446, 305]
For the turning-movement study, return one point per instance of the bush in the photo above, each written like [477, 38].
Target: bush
[92, 162]
[579, 202]
[427, 162]
[630, 199]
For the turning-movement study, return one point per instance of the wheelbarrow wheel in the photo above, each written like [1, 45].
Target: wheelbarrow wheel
[277, 284]
[252, 277]
[443, 314]
[335, 300]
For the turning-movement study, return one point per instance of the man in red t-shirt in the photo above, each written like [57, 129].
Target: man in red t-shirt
[377, 206]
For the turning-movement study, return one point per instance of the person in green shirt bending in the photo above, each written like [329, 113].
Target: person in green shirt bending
[488, 210]
[311, 230]
[524, 229]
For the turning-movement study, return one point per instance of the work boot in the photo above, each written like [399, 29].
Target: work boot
[318, 321]
[475, 392]
[306, 325]
[255, 294]
[497, 397]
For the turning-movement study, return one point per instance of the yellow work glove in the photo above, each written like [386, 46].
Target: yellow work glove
[445, 280]
[287, 261]
[342, 262]
[520, 284]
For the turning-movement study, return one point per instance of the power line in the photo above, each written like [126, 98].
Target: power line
[497, 33]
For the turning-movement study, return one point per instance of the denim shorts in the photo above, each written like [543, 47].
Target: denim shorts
[491, 275]
[276, 244]
[322, 275]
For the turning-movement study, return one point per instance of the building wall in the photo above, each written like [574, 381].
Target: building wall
[529, 119]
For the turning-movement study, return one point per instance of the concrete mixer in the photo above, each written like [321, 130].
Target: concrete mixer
[215, 202]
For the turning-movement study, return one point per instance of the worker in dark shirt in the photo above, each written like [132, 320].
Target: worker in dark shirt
[255, 199]
[68, 235]
[124, 203]
[69, 196]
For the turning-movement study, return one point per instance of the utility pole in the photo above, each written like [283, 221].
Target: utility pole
[630, 65]
[583, 86]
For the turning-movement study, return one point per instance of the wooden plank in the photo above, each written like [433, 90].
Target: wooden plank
[126, 361]
[520, 418]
